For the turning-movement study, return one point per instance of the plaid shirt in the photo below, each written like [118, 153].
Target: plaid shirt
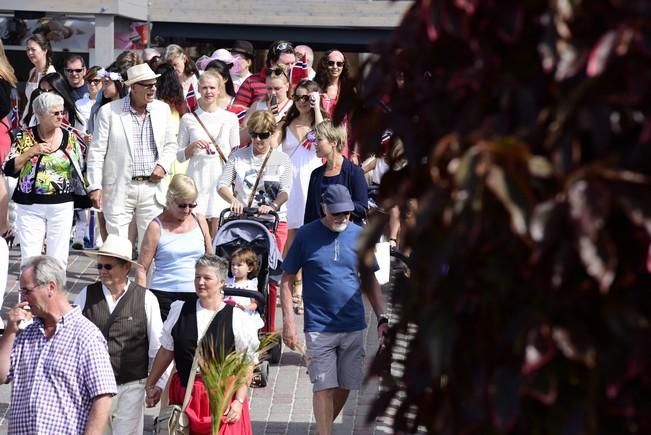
[55, 379]
[144, 147]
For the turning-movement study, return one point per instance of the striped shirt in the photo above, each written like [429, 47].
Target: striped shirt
[144, 147]
[242, 169]
[253, 89]
[56, 379]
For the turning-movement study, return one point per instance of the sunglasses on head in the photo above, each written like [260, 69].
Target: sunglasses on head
[101, 266]
[338, 64]
[184, 206]
[277, 72]
[302, 98]
[262, 135]
[74, 70]
[282, 47]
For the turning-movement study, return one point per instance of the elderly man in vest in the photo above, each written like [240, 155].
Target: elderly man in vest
[129, 317]
[133, 147]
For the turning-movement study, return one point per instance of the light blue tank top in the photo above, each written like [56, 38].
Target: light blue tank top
[176, 255]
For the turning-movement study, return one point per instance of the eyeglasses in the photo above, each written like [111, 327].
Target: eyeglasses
[101, 266]
[58, 113]
[184, 206]
[262, 135]
[332, 63]
[282, 47]
[277, 72]
[74, 70]
[303, 98]
[343, 213]
[95, 82]
[146, 85]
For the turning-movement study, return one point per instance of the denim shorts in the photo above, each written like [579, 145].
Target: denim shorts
[335, 359]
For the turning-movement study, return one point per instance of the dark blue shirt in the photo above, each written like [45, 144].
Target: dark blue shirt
[331, 288]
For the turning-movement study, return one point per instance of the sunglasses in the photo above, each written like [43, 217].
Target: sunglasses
[146, 85]
[184, 206]
[343, 213]
[74, 70]
[262, 135]
[282, 47]
[58, 113]
[277, 72]
[332, 63]
[302, 98]
[101, 266]
[95, 81]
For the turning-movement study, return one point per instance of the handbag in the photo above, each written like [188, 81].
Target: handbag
[172, 419]
[221, 154]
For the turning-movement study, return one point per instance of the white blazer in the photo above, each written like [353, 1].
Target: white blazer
[110, 156]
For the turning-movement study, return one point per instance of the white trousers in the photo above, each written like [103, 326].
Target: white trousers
[141, 202]
[127, 410]
[52, 222]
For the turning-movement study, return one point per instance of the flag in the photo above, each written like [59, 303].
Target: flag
[298, 73]
[191, 99]
[65, 124]
[310, 140]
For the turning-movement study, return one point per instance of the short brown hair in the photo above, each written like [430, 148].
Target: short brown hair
[262, 120]
[250, 258]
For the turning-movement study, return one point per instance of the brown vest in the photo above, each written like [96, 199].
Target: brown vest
[125, 330]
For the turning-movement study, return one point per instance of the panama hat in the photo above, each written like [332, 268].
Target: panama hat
[139, 73]
[115, 246]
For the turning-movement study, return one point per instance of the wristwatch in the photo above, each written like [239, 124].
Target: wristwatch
[382, 319]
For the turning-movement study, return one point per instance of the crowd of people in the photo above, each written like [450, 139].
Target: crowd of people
[133, 162]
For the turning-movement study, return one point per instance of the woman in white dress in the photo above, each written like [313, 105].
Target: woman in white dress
[200, 133]
[298, 141]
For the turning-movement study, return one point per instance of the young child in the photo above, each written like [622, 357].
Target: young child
[244, 267]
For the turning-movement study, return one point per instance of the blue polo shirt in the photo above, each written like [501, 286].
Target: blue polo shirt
[331, 288]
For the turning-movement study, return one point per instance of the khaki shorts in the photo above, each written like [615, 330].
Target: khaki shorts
[335, 359]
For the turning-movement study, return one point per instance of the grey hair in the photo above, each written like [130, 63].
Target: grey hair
[218, 263]
[46, 269]
[44, 102]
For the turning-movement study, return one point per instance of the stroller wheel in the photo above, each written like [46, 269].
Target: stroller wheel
[276, 351]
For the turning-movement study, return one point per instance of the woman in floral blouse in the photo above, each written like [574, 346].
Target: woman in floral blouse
[47, 161]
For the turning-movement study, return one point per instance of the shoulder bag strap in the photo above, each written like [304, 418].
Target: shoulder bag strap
[257, 179]
[221, 154]
[193, 370]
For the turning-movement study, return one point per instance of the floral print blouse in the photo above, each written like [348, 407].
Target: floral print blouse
[45, 179]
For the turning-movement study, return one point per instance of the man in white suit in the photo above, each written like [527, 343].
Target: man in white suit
[132, 150]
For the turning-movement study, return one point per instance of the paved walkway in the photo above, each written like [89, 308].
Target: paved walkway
[283, 407]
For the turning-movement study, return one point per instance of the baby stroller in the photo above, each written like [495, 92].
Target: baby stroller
[254, 231]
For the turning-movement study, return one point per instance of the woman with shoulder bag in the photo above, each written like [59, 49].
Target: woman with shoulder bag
[192, 324]
[206, 138]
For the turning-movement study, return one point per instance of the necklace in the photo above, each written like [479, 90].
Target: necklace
[49, 141]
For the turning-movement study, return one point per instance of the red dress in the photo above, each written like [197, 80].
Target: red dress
[198, 410]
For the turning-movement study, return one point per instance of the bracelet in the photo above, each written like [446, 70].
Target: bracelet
[274, 206]
[382, 319]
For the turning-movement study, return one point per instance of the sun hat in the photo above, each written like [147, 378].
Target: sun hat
[336, 198]
[140, 73]
[115, 246]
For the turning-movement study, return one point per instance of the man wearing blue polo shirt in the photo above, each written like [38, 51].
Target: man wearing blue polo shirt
[334, 312]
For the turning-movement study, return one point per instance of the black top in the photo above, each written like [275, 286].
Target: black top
[185, 336]
[5, 98]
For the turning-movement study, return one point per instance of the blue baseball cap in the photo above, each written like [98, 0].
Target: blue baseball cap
[336, 198]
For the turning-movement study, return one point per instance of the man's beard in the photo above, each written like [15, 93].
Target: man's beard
[339, 228]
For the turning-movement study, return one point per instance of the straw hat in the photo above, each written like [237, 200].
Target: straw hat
[140, 73]
[115, 246]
